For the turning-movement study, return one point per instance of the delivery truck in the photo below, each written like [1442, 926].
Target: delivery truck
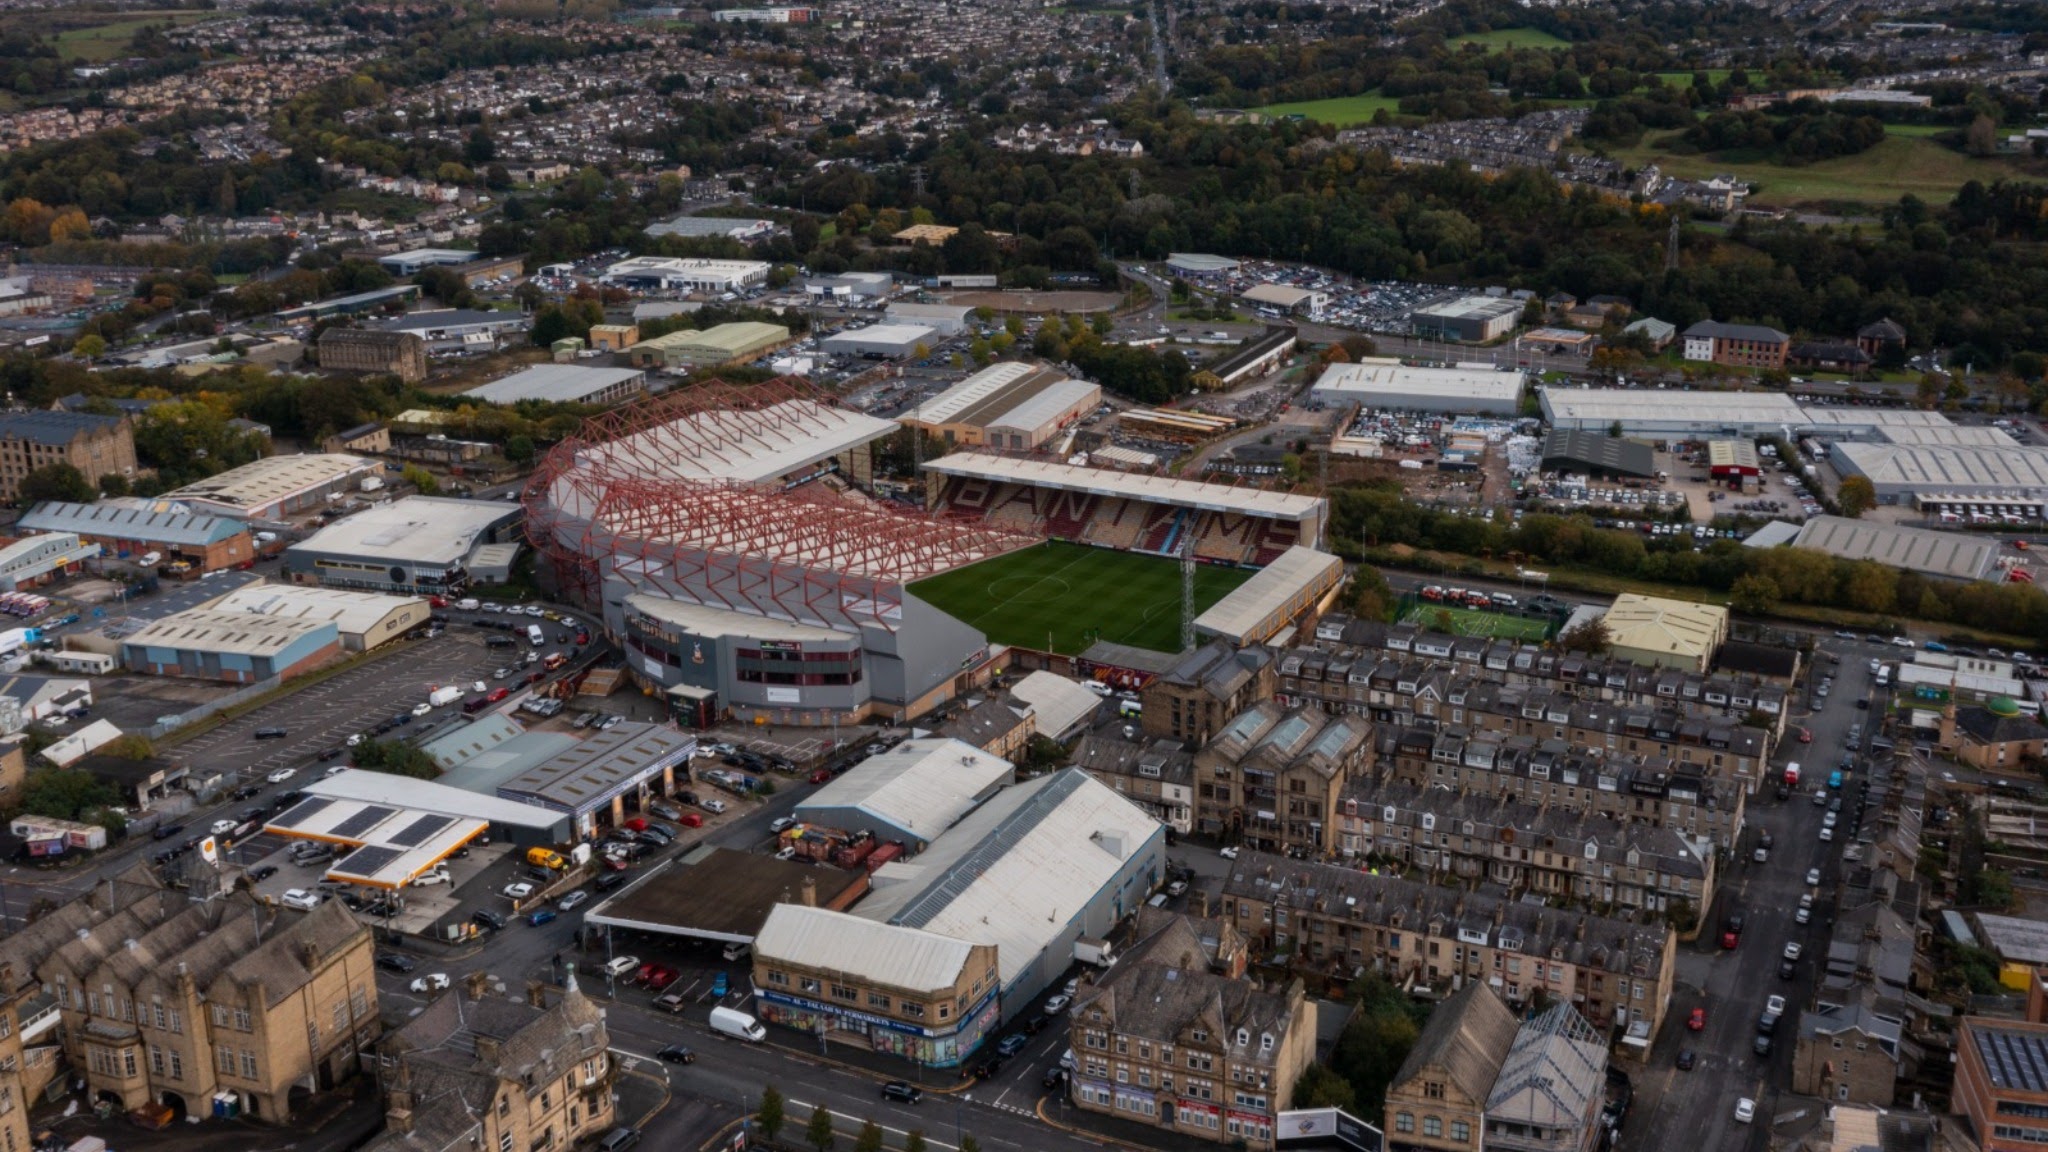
[444, 695]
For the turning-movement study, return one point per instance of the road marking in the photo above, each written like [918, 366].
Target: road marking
[837, 1117]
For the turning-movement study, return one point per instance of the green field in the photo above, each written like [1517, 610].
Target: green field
[1880, 175]
[109, 39]
[1076, 596]
[1472, 622]
[1512, 38]
[1340, 111]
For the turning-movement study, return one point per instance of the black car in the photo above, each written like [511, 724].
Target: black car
[677, 1054]
[1762, 1047]
[488, 919]
[330, 754]
[393, 962]
[166, 831]
[610, 880]
[271, 734]
[1034, 1024]
[264, 873]
[1686, 1059]
[1788, 969]
[287, 800]
[245, 792]
[1012, 1044]
[988, 1068]
[1055, 1079]
[899, 1090]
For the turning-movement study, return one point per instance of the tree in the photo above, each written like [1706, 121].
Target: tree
[397, 758]
[114, 484]
[1368, 596]
[1320, 1087]
[1753, 594]
[818, 1133]
[914, 1141]
[56, 482]
[90, 346]
[421, 479]
[969, 1144]
[870, 1138]
[1857, 496]
[1591, 637]
[519, 449]
[769, 1117]
[62, 794]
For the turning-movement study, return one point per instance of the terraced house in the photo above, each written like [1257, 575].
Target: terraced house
[1273, 775]
[1337, 922]
[169, 1003]
[1175, 1036]
[1529, 849]
[1552, 773]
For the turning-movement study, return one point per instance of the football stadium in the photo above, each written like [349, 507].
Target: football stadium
[731, 538]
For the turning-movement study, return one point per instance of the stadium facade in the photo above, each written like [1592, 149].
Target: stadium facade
[728, 537]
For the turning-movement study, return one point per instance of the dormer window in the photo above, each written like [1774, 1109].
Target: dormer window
[1265, 1041]
[1244, 1037]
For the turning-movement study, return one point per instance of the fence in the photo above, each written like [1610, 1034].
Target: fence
[165, 725]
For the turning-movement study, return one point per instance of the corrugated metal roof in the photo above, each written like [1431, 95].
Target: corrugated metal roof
[1251, 604]
[1019, 869]
[128, 523]
[887, 954]
[920, 786]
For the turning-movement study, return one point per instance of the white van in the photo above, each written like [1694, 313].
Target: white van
[737, 951]
[738, 1025]
[534, 636]
[468, 605]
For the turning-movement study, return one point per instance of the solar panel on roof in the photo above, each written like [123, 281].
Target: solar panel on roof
[362, 821]
[301, 812]
[416, 833]
[2016, 1062]
[368, 861]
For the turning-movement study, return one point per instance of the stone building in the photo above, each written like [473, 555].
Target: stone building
[1272, 776]
[1437, 1101]
[400, 354]
[1192, 700]
[477, 1071]
[1176, 1037]
[98, 446]
[1337, 923]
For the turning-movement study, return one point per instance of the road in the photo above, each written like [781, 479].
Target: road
[1696, 1109]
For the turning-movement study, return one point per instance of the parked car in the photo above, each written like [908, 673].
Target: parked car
[432, 982]
[676, 1054]
[280, 775]
[393, 962]
[902, 1092]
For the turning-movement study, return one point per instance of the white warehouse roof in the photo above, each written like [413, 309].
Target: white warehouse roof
[884, 954]
[562, 383]
[1948, 468]
[1957, 555]
[1041, 409]
[1597, 408]
[1386, 383]
[419, 529]
[1018, 870]
[352, 612]
[973, 390]
[923, 786]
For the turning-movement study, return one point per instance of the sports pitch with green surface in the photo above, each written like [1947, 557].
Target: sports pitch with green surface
[1079, 595]
[1471, 622]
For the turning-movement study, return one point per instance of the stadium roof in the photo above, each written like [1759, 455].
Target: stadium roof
[1102, 482]
[1018, 870]
[561, 383]
[1252, 603]
[1952, 554]
[419, 529]
[273, 478]
[1936, 467]
[1382, 377]
[920, 786]
[743, 446]
[234, 632]
[159, 524]
[884, 954]
[1653, 406]
[351, 612]
[703, 620]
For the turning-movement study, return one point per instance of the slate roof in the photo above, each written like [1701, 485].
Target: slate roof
[1988, 727]
[1164, 988]
[53, 428]
[1752, 332]
[1468, 1036]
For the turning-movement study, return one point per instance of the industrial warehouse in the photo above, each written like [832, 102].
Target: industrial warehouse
[1390, 384]
[420, 543]
[563, 384]
[1013, 405]
[881, 341]
[1658, 414]
[275, 486]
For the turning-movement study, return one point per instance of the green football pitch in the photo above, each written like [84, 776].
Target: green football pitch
[1077, 596]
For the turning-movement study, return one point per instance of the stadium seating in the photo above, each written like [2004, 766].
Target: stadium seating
[1015, 506]
[1158, 531]
[1275, 537]
[967, 496]
[1067, 513]
[1226, 538]
[1117, 524]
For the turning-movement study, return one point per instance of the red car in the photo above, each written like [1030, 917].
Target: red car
[497, 694]
[636, 823]
[1805, 736]
[1698, 1020]
[821, 776]
[438, 601]
[614, 864]
[583, 637]
[691, 820]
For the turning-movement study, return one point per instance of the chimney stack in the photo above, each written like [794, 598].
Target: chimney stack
[477, 982]
[536, 994]
[398, 1117]
[810, 892]
[488, 1050]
